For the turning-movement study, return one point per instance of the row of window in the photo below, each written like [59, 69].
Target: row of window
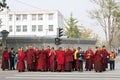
[33, 16]
[35, 28]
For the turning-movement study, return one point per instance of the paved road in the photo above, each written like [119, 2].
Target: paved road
[85, 75]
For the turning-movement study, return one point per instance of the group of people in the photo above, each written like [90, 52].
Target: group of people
[34, 59]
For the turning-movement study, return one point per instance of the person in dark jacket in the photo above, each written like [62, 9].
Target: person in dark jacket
[80, 57]
[12, 56]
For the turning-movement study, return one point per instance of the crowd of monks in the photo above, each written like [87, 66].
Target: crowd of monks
[34, 59]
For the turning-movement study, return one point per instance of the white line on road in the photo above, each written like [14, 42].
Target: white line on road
[59, 78]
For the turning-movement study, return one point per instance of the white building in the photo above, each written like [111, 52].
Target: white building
[31, 23]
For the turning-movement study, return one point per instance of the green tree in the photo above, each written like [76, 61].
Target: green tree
[104, 16]
[72, 30]
[3, 4]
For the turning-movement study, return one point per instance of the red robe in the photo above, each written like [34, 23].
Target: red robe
[41, 65]
[48, 59]
[60, 59]
[88, 55]
[68, 60]
[36, 52]
[21, 63]
[105, 54]
[30, 58]
[98, 61]
[52, 60]
[5, 58]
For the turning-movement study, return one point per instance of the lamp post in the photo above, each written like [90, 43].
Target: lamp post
[4, 37]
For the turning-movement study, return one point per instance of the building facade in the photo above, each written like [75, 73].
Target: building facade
[31, 23]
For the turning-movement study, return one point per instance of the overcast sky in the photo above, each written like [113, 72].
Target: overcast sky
[79, 8]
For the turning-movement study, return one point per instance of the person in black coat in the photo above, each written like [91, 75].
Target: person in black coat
[12, 56]
[80, 57]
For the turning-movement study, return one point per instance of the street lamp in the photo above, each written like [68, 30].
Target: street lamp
[4, 37]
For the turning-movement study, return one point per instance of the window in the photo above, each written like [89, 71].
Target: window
[24, 28]
[18, 17]
[50, 16]
[50, 27]
[40, 28]
[33, 16]
[33, 28]
[10, 17]
[24, 17]
[18, 28]
[40, 16]
[10, 28]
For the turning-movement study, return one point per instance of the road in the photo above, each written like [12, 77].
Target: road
[85, 75]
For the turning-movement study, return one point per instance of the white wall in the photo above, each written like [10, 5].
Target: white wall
[56, 22]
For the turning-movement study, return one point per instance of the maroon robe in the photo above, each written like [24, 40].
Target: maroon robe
[88, 55]
[5, 58]
[41, 65]
[105, 54]
[21, 63]
[48, 59]
[36, 52]
[68, 60]
[98, 61]
[30, 58]
[60, 60]
[52, 60]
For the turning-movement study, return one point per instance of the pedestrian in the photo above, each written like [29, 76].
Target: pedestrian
[5, 59]
[30, 58]
[68, 59]
[112, 57]
[60, 57]
[88, 56]
[15, 59]
[20, 60]
[42, 57]
[52, 58]
[80, 57]
[74, 60]
[12, 56]
[48, 58]
[105, 57]
[98, 60]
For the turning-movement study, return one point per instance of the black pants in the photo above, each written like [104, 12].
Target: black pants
[112, 65]
[80, 65]
[12, 64]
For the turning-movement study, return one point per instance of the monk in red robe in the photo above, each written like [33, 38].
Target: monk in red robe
[36, 52]
[88, 55]
[52, 57]
[105, 55]
[98, 60]
[20, 60]
[48, 58]
[30, 58]
[5, 58]
[60, 59]
[41, 65]
[68, 59]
